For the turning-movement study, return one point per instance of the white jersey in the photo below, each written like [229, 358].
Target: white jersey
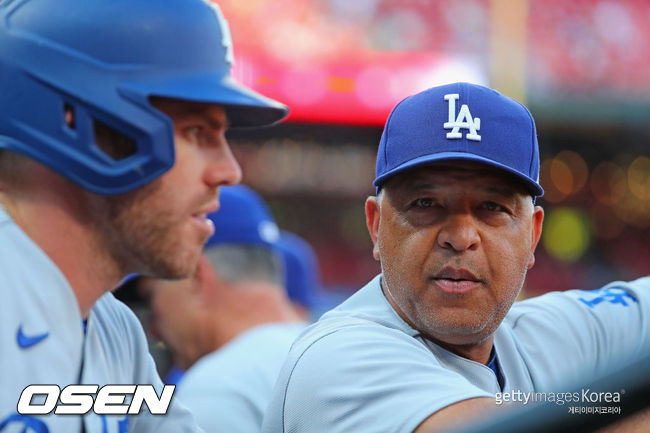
[362, 368]
[229, 390]
[42, 341]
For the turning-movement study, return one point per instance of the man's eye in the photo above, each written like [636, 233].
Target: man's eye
[423, 203]
[493, 207]
[193, 132]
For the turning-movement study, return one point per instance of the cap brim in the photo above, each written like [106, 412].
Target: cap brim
[244, 106]
[530, 184]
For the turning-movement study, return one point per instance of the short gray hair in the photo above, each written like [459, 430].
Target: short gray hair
[238, 262]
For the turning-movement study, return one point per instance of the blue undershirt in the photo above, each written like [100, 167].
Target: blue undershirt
[494, 366]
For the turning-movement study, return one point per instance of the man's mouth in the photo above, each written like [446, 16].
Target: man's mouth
[201, 219]
[456, 280]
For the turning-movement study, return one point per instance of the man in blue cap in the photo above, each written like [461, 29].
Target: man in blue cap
[435, 337]
[231, 324]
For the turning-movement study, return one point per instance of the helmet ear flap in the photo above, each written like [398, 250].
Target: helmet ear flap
[101, 152]
[112, 142]
[69, 115]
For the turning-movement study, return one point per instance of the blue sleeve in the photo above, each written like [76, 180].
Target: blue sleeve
[582, 333]
[362, 378]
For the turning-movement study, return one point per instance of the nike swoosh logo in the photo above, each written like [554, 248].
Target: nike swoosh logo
[25, 341]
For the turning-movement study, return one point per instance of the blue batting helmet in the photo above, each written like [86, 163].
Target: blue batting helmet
[100, 61]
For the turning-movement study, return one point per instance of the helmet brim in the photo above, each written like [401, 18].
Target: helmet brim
[244, 107]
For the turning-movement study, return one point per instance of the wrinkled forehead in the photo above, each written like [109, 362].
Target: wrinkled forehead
[459, 174]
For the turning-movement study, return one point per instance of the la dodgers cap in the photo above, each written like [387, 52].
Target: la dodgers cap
[460, 121]
[242, 218]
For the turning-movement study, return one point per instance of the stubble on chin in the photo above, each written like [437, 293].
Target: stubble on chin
[142, 234]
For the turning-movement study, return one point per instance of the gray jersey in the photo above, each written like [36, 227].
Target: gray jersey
[362, 368]
[228, 390]
[43, 342]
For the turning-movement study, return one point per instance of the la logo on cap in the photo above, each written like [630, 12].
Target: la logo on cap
[464, 120]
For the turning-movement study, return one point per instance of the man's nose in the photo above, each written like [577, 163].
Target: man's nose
[223, 168]
[459, 233]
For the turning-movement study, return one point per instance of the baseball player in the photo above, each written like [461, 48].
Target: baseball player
[232, 323]
[436, 336]
[112, 152]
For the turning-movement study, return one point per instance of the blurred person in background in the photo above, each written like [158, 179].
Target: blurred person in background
[301, 273]
[303, 278]
[231, 324]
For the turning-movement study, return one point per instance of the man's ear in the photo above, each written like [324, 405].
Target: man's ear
[373, 212]
[536, 233]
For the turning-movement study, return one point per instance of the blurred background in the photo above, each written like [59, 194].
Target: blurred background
[582, 67]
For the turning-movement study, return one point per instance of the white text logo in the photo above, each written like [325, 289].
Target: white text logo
[464, 120]
[559, 398]
[78, 399]
[226, 38]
